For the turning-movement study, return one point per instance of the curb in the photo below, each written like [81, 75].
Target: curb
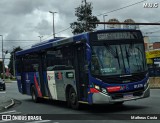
[10, 105]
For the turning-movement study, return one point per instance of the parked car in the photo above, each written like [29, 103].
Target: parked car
[2, 84]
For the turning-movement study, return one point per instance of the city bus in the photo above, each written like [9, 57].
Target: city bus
[99, 67]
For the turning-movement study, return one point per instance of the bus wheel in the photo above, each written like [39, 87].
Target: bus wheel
[4, 87]
[119, 103]
[73, 99]
[34, 95]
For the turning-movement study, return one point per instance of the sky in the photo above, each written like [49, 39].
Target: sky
[23, 21]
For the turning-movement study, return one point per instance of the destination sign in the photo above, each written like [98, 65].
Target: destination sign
[118, 35]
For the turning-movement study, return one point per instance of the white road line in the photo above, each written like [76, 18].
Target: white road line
[41, 121]
[5, 121]
[15, 113]
[7, 112]
[3, 92]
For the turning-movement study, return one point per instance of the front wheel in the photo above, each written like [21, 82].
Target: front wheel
[73, 99]
[4, 87]
[34, 95]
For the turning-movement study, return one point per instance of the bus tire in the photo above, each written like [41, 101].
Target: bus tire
[119, 103]
[34, 95]
[4, 87]
[73, 99]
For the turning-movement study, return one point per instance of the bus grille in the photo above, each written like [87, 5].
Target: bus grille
[122, 80]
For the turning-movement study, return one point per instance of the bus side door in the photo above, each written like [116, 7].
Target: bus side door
[81, 75]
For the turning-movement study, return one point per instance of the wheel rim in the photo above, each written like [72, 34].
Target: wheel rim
[73, 98]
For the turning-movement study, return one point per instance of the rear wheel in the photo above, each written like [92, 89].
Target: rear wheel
[73, 99]
[34, 95]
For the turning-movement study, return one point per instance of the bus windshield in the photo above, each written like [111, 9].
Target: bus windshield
[108, 59]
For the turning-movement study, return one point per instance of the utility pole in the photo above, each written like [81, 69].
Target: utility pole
[40, 38]
[3, 59]
[104, 20]
[13, 62]
[85, 15]
[53, 23]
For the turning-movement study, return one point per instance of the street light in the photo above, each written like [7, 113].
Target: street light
[14, 61]
[3, 59]
[40, 37]
[104, 19]
[53, 23]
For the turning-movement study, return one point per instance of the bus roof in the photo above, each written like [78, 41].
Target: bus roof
[52, 42]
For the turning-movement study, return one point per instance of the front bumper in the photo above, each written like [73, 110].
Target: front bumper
[100, 98]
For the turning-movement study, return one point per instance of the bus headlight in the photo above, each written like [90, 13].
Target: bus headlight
[101, 89]
[97, 87]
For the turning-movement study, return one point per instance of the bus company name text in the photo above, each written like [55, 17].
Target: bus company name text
[20, 117]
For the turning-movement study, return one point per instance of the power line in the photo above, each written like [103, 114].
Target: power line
[152, 32]
[57, 33]
[32, 40]
[142, 26]
[122, 8]
[48, 36]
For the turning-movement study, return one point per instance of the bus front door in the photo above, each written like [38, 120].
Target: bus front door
[81, 75]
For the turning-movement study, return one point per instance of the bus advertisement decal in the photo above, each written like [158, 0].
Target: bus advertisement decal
[52, 84]
[37, 86]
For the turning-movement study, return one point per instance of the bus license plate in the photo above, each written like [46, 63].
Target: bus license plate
[128, 96]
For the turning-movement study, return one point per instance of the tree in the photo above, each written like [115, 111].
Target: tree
[84, 16]
[10, 66]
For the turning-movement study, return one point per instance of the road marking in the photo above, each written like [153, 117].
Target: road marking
[2, 92]
[41, 121]
[7, 112]
[5, 121]
[15, 113]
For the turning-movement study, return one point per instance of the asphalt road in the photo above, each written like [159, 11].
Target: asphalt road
[24, 105]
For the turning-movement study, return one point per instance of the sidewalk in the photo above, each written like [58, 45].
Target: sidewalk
[5, 102]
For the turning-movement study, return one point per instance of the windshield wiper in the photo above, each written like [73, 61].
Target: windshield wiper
[127, 55]
[114, 53]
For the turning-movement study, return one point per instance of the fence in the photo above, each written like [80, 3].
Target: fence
[154, 82]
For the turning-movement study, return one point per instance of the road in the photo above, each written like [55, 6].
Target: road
[24, 105]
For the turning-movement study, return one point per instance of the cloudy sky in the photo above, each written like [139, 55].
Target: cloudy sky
[22, 21]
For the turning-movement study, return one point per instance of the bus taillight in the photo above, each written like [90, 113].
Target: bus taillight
[113, 89]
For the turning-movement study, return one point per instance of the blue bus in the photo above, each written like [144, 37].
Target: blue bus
[100, 67]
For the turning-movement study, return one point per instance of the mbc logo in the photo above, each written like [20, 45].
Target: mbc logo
[150, 5]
